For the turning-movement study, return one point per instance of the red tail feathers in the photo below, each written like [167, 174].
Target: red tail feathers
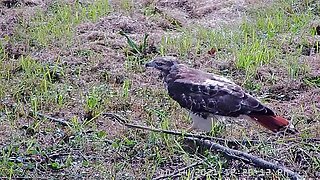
[274, 123]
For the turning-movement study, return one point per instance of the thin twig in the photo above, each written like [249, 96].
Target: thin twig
[61, 121]
[56, 155]
[171, 175]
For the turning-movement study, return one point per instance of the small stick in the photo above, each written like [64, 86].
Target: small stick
[61, 121]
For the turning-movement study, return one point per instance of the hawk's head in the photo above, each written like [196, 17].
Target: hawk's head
[164, 64]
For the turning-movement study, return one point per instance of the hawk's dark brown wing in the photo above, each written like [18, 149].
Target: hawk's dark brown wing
[216, 97]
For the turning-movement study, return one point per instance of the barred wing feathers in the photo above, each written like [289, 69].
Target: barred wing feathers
[214, 97]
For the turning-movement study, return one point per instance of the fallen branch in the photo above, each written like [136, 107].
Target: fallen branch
[230, 153]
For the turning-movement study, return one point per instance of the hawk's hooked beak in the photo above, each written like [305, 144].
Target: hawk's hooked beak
[150, 64]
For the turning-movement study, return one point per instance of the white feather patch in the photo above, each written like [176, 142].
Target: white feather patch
[219, 82]
[201, 123]
[207, 124]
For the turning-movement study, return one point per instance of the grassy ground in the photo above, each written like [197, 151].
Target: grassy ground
[76, 60]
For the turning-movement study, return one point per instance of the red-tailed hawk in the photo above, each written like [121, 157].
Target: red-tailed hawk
[207, 95]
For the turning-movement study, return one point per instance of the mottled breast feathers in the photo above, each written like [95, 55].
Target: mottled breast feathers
[205, 94]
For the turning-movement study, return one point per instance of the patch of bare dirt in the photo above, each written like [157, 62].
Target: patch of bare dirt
[8, 20]
[106, 31]
[205, 13]
[12, 13]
